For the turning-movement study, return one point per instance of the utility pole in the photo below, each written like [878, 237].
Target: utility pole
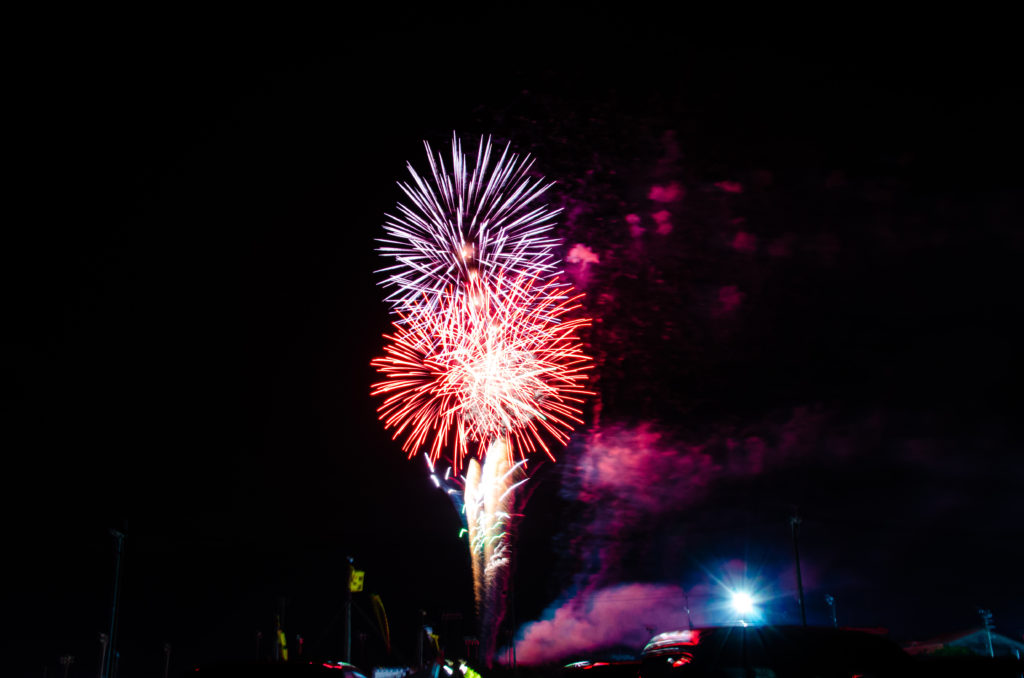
[986, 618]
[347, 650]
[794, 523]
[110, 647]
[167, 659]
[104, 639]
[419, 639]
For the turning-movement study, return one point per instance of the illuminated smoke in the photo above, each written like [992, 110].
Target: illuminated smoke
[624, 616]
[582, 255]
[625, 479]
[673, 192]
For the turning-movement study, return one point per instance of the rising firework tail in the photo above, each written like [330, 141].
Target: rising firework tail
[492, 509]
[474, 523]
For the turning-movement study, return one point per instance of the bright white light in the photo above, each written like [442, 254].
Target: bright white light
[743, 603]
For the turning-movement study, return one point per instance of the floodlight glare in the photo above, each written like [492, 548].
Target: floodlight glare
[743, 603]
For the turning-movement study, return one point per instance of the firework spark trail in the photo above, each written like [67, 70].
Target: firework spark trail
[453, 486]
[474, 514]
[492, 501]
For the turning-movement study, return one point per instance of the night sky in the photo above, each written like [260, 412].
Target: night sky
[801, 252]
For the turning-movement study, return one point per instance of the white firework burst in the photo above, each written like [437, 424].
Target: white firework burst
[485, 220]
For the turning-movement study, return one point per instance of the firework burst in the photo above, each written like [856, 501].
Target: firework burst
[486, 364]
[482, 220]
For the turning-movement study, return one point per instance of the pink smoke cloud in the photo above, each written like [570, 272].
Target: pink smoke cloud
[664, 220]
[625, 615]
[729, 299]
[583, 255]
[619, 463]
[579, 258]
[799, 436]
[640, 472]
[636, 474]
[750, 457]
[729, 186]
[671, 193]
[629, 477]
[635, 229]
[745, 243]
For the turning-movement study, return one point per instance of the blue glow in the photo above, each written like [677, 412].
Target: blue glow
[743, 603]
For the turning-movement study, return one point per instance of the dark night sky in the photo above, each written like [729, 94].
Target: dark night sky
[191, 309]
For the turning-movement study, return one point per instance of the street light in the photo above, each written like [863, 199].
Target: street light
[743, 603]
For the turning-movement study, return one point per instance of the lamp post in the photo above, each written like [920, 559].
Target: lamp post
[986, 618]
[110, 646]
[794, 523]
[419, 641]
[104, 640]
[347, 653]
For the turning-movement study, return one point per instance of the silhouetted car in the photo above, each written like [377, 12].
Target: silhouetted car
[773, 652]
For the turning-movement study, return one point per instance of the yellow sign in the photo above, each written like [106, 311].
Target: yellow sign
[355, 580]
[284, 644]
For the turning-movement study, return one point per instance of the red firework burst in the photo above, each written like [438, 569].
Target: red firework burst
[494, 359]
